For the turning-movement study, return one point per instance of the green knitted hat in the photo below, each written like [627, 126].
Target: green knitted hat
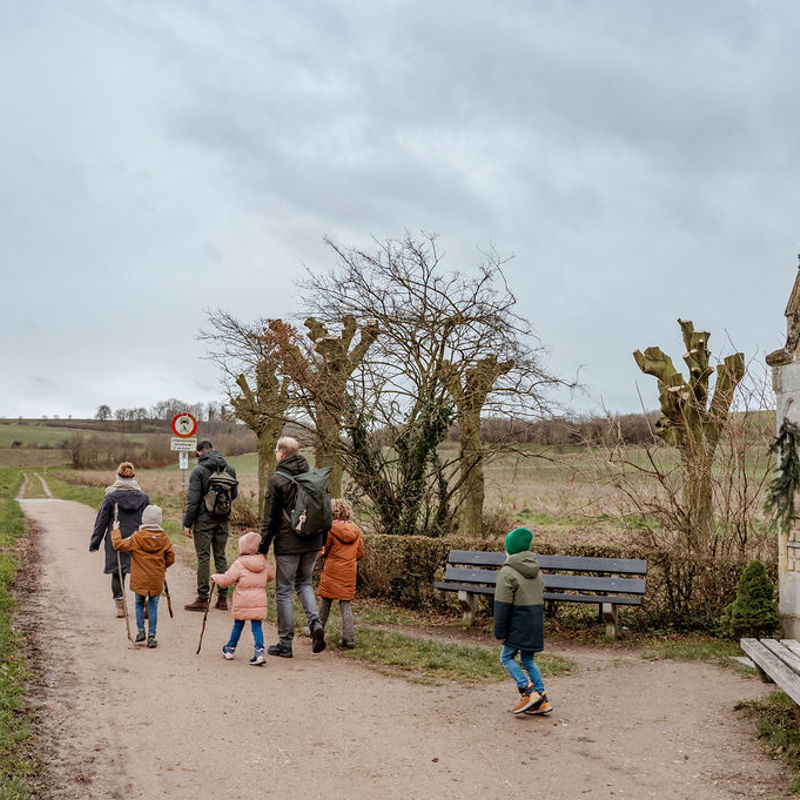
[518, 541]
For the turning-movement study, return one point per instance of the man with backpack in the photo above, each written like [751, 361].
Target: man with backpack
[212, 489]
[297, 517]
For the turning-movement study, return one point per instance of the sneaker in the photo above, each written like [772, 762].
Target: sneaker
[258, 657]
[227, 652]
[151, 641]
[222, 603]
[140, 637]
[279, 650]
[198, 604]
[317, 638]
[542, 707]
[527, 700]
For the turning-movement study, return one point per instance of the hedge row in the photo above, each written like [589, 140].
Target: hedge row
[681, 595]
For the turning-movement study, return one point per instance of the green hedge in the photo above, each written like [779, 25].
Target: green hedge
[680, 595]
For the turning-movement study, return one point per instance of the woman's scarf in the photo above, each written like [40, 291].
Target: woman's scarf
[125, 484]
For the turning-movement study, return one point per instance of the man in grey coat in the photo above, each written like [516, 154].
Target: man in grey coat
[295, 556]
[210, 533]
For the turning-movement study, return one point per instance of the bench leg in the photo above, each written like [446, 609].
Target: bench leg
[610, 617]
[469, 605]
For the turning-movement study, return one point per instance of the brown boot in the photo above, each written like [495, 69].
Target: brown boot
[198, 604]
[222, 603]
[120, 604]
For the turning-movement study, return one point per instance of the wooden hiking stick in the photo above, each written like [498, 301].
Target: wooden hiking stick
[169, 599]
[205, 616]
[121, 584]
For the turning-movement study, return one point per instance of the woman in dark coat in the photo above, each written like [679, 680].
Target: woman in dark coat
[130, 500]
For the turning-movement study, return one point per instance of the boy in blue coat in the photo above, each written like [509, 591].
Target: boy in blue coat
[519, 620]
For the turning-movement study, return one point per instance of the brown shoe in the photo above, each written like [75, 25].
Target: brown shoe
[222, 603]
[120, 604]
[198, 604]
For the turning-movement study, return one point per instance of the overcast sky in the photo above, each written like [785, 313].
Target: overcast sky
[639, 160]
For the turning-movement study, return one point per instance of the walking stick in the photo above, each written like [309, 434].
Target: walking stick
[169, 599]
[205, 617]
[121, 584]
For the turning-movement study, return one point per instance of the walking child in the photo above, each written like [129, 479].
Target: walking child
[249, 573]
[151, 553]
[344, 547]
[519, 621]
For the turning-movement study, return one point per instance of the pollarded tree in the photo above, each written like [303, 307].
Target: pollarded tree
[693, 420]
[258, 393]
[320, 369]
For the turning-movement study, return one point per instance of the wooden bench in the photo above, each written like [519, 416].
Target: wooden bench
[777, 661]
[567, 579]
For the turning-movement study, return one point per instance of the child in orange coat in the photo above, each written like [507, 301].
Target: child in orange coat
[344, 547]
[250, 573]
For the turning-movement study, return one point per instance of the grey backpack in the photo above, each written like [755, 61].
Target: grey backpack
[311, 514]
[219, 497]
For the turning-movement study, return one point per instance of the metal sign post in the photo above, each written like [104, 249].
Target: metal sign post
[184, 426]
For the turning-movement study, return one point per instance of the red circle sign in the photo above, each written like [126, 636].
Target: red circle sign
[184, 425]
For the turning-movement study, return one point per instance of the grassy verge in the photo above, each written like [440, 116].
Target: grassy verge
[778, 726]
[16, 764]
[721, 652]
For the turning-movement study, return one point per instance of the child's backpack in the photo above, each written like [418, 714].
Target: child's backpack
[219, 497]
[311, 514]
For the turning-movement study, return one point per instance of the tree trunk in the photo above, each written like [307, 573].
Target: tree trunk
[471, 465]
[326, 453]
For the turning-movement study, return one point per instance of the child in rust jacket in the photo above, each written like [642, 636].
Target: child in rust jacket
[344, 547]
[151, 553]
[249, 573]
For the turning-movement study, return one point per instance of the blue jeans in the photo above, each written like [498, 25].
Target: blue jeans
[255, 627]
[294, 570]
[152, 612]
[508, 660]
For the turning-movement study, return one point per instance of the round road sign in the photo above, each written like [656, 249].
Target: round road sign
[184, 425]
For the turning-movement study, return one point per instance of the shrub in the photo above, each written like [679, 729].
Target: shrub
[754, 611]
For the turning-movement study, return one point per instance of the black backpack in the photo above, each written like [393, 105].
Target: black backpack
[219, 497]
[311, 514]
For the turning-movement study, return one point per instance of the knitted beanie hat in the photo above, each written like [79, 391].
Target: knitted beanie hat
[125, 470]
[248, 543]
[151, 518]
[518, 541]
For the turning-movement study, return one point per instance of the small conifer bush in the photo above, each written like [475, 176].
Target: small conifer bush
[754, 612]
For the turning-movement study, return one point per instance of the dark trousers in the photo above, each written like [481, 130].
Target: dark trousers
[210, 537]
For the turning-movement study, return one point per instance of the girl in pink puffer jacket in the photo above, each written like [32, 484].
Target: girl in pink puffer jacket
[250, 573]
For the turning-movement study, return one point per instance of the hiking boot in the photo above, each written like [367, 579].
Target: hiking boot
[198, 604]
[222, 603]
[258, 657]
[317, 638]
[279, 650]
[151, 641]
[227, 651]
[542, 707]
[120, 604]
[348, 645]
[528, 699]
[140, 637]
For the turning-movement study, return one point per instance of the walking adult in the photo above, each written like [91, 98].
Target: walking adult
[209, 530]
[295, 555]
[127, 497]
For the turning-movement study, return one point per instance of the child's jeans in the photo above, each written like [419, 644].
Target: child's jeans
[152, 612]
[508, 660]
[348, 623]
[255, 627]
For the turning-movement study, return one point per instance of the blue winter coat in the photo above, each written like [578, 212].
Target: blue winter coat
[131, 503]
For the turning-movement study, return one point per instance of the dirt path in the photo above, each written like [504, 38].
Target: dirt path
[123, 723]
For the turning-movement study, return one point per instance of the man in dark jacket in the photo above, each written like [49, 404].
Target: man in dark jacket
[295, 556]
[210, 532]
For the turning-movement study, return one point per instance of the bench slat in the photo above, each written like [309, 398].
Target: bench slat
[579, 583]
[792, 660]
[782, 675]
[792, 644]
[627, 566]
[562, 597]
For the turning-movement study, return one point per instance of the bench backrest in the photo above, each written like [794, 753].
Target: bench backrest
[617, 566]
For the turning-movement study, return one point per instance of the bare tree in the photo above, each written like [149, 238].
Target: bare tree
[258, 393]
[450, 345]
